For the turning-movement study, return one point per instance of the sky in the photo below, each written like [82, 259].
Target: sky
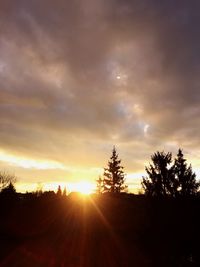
[77, 77]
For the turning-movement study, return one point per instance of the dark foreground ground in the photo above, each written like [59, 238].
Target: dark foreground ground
[98, 231]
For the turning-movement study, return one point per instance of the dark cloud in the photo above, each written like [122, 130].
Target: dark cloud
[124, 72]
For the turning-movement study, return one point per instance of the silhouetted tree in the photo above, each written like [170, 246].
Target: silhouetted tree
[185, 178]
[6, 179]
[165, 179]
[100, 185]
[8, 193]
[160, 175]
[64, 192]
[59, 191]
[114, 177]
[10, 189]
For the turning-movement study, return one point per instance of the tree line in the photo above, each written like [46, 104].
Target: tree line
[165, 176]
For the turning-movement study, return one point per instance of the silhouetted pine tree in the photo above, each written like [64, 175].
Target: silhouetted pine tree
[100, 185]
[8, 193]
[59, 191]
[160, 175]
[64, 192]
[185, 178]
[114, 177]
[10, 189]
[6, 179]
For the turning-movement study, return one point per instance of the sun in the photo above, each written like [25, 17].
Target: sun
[84, 188]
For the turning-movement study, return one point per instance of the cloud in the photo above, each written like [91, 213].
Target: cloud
[80, 76]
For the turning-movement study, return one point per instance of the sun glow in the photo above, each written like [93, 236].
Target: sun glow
[84, 188]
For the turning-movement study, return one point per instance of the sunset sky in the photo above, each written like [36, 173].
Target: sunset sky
[77, 77]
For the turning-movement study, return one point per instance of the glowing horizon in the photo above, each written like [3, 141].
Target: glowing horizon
[80, 179]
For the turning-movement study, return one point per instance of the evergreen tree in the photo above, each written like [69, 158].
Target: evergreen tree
[6, 179]
[114, 177]
[8, 193]
[165, 179]
[64, 192]
[9, 190]
[59, 191]
[185, 178]
[160, 175]
[100, 185]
